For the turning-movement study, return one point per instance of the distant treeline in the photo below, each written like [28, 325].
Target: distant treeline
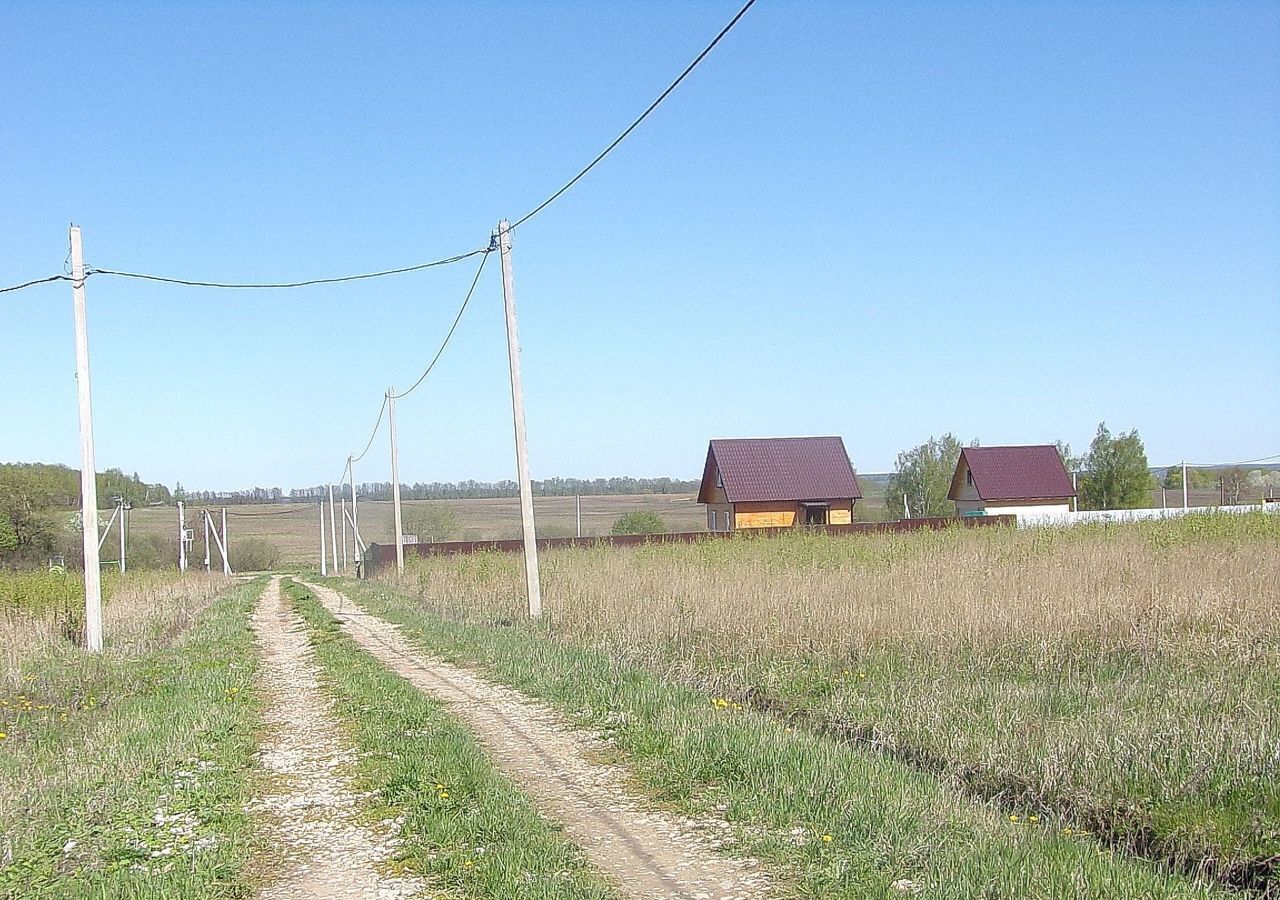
[475, 490]
[34, 498]
[58, 487]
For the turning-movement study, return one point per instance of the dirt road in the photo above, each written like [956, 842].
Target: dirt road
[316, 847]
[649, 853]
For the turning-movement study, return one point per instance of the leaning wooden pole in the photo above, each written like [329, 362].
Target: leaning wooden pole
[517, 411]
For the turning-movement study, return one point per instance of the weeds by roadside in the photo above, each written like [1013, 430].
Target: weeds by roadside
[124, 774]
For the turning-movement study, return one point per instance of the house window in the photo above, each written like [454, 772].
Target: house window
[713, 521]
[719, 480]
[728, 521]
[968, 477]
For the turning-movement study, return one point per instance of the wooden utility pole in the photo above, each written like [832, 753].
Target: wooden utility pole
[517, 410]
[333, 530]
[324, 565]
[395, 479]
[88, 468]
[123, 511]
[208, 555]
[1184, 484]
[343, 518]
[182, 538]
[579, 511]
[355, 515]
[226, 546]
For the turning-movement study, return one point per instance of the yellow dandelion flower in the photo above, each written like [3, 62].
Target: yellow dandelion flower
[1033, 819]
[468, 864]
[827, 839]
[3, 735]
[1013, 818]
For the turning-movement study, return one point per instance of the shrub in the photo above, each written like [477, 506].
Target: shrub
[430, 521]
[640, 521]
[254, 555]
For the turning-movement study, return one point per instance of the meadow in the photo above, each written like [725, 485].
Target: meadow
[1117, 682]
[124, 774]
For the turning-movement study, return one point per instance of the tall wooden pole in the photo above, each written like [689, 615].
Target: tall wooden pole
[324, 565]
[395, 479]
[333, 530]
[208, 553]
[88, 468]
[343, 517]
[1184, 484]
[355, 512]
[182, 537]
[517, 414]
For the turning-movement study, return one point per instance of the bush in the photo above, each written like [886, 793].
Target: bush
[430, 521]
[254, 555]
[641, 521]
[152, 551]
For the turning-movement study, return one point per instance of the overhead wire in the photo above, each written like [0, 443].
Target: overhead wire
[374, 433]
[341, 279]
[644, 115]
[34, 282]
[265, 515]
[452, 328]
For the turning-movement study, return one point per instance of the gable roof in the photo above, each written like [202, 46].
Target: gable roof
[1032, 472]
[761, 469]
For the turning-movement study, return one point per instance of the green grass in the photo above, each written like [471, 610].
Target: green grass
[466, 827]
[784, 788]
[124, 775]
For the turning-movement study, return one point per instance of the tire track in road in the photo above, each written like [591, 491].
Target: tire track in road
[316, 845]
[650, 854]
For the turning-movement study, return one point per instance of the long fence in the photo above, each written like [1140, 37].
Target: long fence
[378, 555]
[1042, 519]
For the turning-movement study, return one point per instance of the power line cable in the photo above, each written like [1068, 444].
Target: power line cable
[452, 328]
[267, 515]
[34, 282]
[285, 284]
[644, 115]
[374, 433]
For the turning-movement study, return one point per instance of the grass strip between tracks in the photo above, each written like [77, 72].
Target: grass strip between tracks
[831, 819]
[466, 827]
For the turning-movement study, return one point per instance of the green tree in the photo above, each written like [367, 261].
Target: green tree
[640, 521]
[8, 536]
[431, 521]
[1070, 461]
[924, 474]
[1116, 473]
[1196, 478]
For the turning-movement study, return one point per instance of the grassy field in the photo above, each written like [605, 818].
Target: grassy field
[1119, 682]
[294, 527]
[125, 774]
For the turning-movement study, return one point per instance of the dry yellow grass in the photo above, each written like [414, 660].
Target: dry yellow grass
[1123, 678]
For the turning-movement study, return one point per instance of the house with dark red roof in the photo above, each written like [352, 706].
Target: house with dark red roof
[1008, 480]
[777, 483]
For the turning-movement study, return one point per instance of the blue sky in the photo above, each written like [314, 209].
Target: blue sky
[879, 220]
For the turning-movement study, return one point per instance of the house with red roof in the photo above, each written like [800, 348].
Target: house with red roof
[778, 483]
[1008, 480]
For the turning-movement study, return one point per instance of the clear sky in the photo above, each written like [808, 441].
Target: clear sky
[878, 220]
